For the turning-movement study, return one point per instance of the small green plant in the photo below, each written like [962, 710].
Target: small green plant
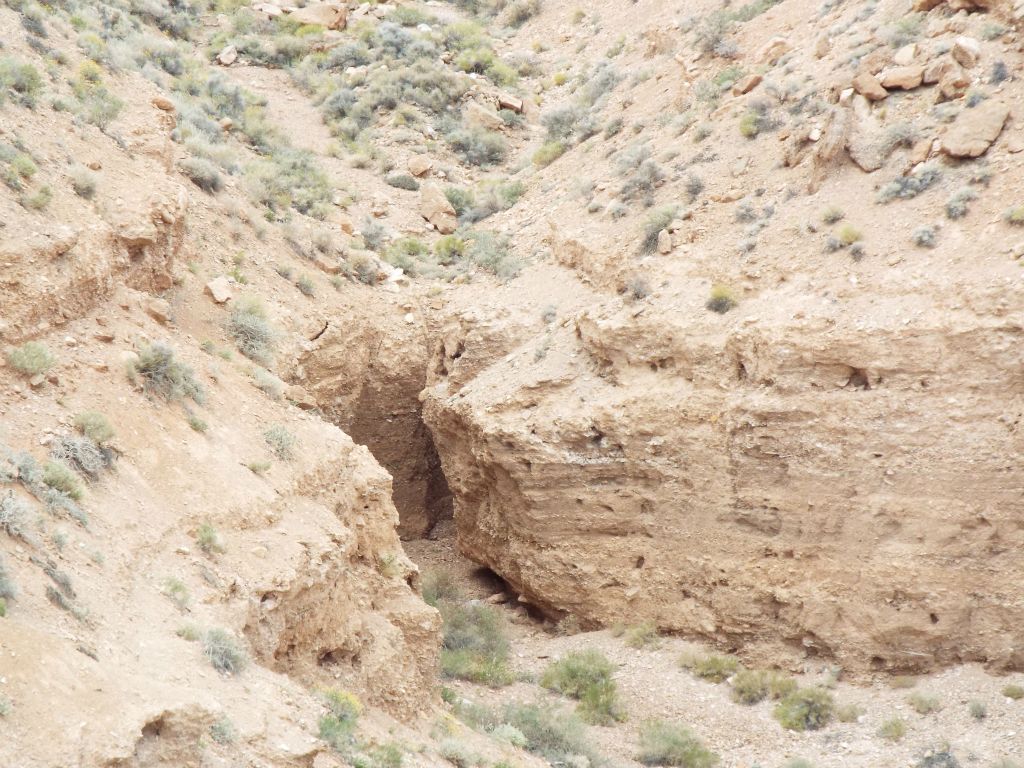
[223, 731]
[1012, 691]
[655, 223]
[258, 467]
[750, 124]
[31, 358]
[95, 426]
[903, 682]
[176, 590]
[306, 285]
[83, 182]
[669, 744]
[281, 442]
[587, 677]
[38, 200]
[202, 173]
[252, 333]
[924, 704]
[978, 710]
[337, 725]
[832, 215]
[806, 709]
[1015, 216]
[893, 729]
[475, 644]
[641, 635]
[715, 669]
[548, 153]
[164, 375]
[188, 632]
[721, 300]
[197, 423]
[209, 540]
[61, 477]
[924, 237]
[438, 586]
[956, 206]
[402, 181]
[750, 686]
[224, 652]
[849, 234]
[848, 713]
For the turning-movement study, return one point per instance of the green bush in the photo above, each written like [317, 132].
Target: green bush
[252, 333]
[163, 375]
[548, 153]
[202, 173]
[587, 677]
[95, 426]
[806, 709]
[492, 253]
[656, 221]
[61, 477]
[555, 735]
[281, 442]
[978, 710]
[82, 454]
[8, 590]
[1015, 692]
[209, 540]
[223, 731]
[224, 652]
[306, 285]
[663, 743]
[440, 586]
[477, 145]
[714, 668]
[750, 686]
[924, 704]
[23, 80]
[893, 730]
[402, 181]
[31, 358]
[83, 182]
[721, 300]
[641, 635]
[449, 249]
[475, 644]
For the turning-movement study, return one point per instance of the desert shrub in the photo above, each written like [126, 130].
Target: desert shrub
[82, 454]
[164, 375]
[223, 731]
[449, 249]
[906, 187]
[750, 686]
[1015, 216]
[439, 586]
[521, 11]
[849, 234]
[8, 589]
[267, 382]
[37, 200]
[655, 222]
[903, 682]
[893, 729]
[492, 253]
[178, 593]
[402, 181]
[832, 215]
[252, 333]
[491, 197]
[462, 200]
[14, 516]
[306, 285]
[924, 237]
[475, 644]
[587, 677]
[202, 173]
[848, 713]
[224, 652]
[83, 181]
[405, 252]
[978, 710]
[477, 145]
[21, 80]
[1015, 692]
[61, 477]
[806, 709]
[548, 153]
[715, 669]
[924, 704]
[956, 206]
[694, 186]
[281, 442]
[196, 422]
[721, 300]
[905, 30]
[290, 178]
[663, 743]
[555, 735]
[373, 233]
[646, 633]
[209, 540]
[31, 358]
[569, 123]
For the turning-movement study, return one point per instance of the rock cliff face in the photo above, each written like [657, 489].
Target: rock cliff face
[806, 485]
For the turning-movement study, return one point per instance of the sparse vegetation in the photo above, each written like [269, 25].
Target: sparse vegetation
[475, 645]
[713, 668]
[31, 359]
[587, 677]
[548, 153]
[978, 710]
[61, 477]
[162, 374]
[806, 709]
[656, 221]
[924, 704]
[223, 731]
[554, 734]
[646, 633]
[956, 206]
[402, 181]
[95, 426]
[893, 729]
[282, 443]
[202, 173]
[1015, 216]
[832, 215]
[721, 300]
[209, 540]
[905, 187]
[1012, 691]
[924, 237]
[176, 590]
[224, 652]
[749, 686]
[251, 331]
[83, 181]
[670, 744]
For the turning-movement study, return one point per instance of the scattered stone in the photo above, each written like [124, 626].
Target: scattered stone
[163, 103]
[345, 223]
[37, 381]
[105, 336]
[975, 129]
[300, 397]
[159, 310]
[938, 69]
[906, 78]
[478, 114]
[419, 165]
[510, 102]
[966, 51]
[868, 86]
[664, 242]
[905, 56]
[269, 10]
[228, 56]
[219, 289]
[920, 151]
[435, 208]
[746, 84]
[329, 15]
[822, 46]
[953, 85]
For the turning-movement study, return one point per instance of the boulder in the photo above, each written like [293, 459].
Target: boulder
[268, 10]
[219, 289]
[228, 56]
[300, 397]
[905, 78]
[478, 114]
[975, 129]
[773, 50]
[163, 103]
[664, 242]
[435, 208]
[746, 84]
[966, 51]
[329, 15]
[822, 46]
[868, 86]
[159, 310]
[953, 84]
[419, 165]
[938, 69]
[510, 102]
[905, 55]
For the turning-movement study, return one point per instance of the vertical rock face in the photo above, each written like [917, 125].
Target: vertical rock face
[788, 487]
